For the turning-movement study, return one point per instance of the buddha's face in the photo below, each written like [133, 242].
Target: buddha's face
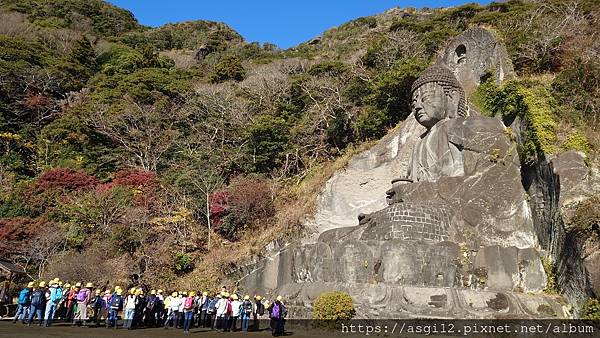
[430, 104]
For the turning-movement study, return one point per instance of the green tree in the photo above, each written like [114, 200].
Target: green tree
[267, 141]
[229, 68]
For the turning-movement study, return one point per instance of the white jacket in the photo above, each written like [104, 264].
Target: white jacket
[130, 302]
[235, 308]
[221, 307]
[175, 304]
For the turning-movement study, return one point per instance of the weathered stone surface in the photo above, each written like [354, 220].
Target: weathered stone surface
[473, 53]
[573, 173]
[361, 186]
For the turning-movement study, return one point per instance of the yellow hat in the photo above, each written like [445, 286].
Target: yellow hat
[30, 284]
[107, 292]
[152, 292]
[132, 291]
[279, 298]
[78, 285]
[258, 297]
[174, 294]
[159, 291]
[67, 286]
[98, 291]
[138, 292]
[60, 283]
[192, 293]
[246, 297]
[184, 293]
[219, 295]
[89, 285]
[119, 292]
[205, 293]
[118, 288]
[234, 297]
[42, 284]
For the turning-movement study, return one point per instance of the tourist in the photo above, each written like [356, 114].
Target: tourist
[246, 312]
[203, 309]
[188, 311]
[173, 303]
[116, 305]
[97, 304]
[37, 303]
[211, 311]
[130, 304]
[221, 307]
[24, 303]
[277, 313]
[160, 308]
[150, 318]
[235, 312]
[258, 311]
[53, 297]
[72, 302]
[84, 297]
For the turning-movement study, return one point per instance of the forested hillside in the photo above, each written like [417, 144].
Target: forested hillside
[176, 153]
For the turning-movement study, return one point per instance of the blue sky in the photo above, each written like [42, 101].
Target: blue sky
[282, 22]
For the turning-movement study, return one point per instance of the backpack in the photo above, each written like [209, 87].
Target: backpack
[82, 295]
[56, 295]
[37, 298]
[247, 307]
[151, 303]
[275, 311]
[228, 311]
[189, 303]
[212, 307]
[23, 296]
[116, 302]
[260, 308]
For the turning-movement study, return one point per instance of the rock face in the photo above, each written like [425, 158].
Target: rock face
[455, 235]
[554, 185]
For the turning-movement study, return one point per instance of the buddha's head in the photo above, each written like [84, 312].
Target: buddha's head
[437, 95]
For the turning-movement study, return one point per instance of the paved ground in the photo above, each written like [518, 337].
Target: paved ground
[8, 329]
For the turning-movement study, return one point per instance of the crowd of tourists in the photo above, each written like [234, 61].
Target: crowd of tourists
[83, 305]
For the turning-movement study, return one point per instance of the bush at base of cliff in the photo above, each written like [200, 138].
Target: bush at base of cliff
[333, 306]
[591, 309]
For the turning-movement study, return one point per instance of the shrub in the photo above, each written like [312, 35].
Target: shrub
[529, 100]
[578, 89]
[183, 262]
[577, 141]
[250, 199]
[229, 68]
[591, 309]
[333, 306]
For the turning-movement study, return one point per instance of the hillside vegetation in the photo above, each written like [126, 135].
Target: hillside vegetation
[175, 153]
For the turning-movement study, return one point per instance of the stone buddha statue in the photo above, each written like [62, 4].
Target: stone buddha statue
[436, 96]
[465, 166]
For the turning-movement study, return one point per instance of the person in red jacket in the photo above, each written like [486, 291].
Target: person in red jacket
[71, 301]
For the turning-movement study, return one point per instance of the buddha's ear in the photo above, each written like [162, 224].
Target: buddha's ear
[453, 101]
[454, 97]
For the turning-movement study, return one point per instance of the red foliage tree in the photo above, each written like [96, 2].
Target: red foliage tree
[65, 179]
[16, 232]
[135, 178]
[218, 205]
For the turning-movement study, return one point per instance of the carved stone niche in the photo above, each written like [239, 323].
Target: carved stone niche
[474, 52]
